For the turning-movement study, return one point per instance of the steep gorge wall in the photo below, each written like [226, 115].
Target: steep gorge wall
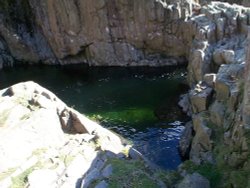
[218, 75]
[97, 32]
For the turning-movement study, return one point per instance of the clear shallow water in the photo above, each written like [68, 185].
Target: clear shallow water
[138, 103]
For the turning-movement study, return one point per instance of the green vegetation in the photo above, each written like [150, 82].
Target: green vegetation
[126, 116]
[170, 178]
[67, 159]
[39, 152]
[21, 180]
[224, 173]
[7, 173]
[130, 174]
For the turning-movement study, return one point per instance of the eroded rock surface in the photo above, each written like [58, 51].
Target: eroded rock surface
[96, 32]
[219, 60]
[44, 143]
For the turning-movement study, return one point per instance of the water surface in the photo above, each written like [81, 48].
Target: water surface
[138, 103]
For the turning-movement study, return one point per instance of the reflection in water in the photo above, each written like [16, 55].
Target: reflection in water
[138, 103]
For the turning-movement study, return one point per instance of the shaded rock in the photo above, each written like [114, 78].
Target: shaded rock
[89, 177]
[209, 79]
[186, 140]
[220, 32]
[107, 171]
[184, 103]
[217, 113]
[246, 99]
[102, 184]
[196, 65]
[194, 180]
[201, 144]
[221, 56]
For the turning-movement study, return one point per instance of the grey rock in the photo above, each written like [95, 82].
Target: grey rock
[226, 78]
[217, 57]
[94, 174]
[186, 140]
[102, 184]
[200, 97]
[220, 23]
[107, 171]
[217, 113]
[246, 99]
[228, 56]
[184, 103]
[222, 56]
[201, 143]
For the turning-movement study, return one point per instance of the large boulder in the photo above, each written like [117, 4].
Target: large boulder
[26, 124]
[41, 143]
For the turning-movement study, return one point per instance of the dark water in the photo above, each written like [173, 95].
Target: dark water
[138, 103]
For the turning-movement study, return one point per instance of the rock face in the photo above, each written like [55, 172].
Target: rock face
[44, 143]
[117, 32]
[96, 32]
[218, 74]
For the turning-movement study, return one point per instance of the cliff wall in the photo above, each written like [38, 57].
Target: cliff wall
[97, 32]
[218, 75]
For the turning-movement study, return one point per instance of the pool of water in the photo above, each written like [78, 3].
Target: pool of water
[138, 103]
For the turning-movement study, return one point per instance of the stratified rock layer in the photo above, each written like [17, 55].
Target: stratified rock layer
[97, 32]
[218, 74]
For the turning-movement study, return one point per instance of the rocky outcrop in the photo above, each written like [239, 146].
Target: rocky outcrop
[218, 98]
[44, 143]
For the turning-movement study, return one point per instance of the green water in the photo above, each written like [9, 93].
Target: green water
[138, 103]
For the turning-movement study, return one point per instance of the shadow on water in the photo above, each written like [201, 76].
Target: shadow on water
[138, 103]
